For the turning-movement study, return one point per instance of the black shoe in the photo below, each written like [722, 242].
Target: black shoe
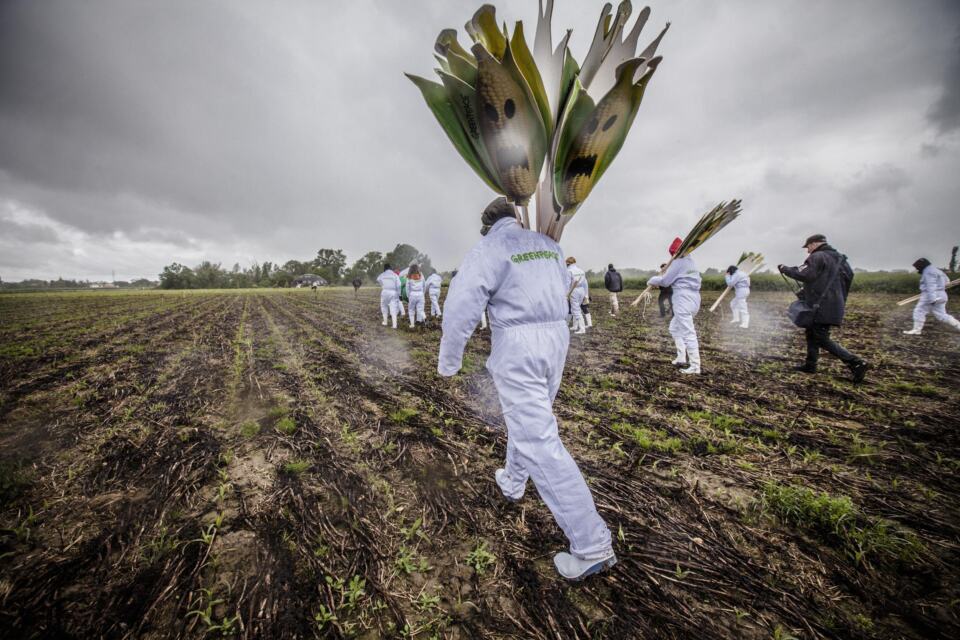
[859, 370]
[806, 368]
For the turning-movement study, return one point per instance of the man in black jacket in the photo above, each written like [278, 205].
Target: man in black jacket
[614, 284]
[826, 276]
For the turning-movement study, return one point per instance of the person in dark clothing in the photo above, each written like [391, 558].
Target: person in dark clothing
[665, 299]
[826, 276]
[356, 286]
[614, 284]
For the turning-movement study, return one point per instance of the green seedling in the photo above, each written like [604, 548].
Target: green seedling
[480, 558]
[296, 467]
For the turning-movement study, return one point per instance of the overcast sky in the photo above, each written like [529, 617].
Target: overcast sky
[135, 134]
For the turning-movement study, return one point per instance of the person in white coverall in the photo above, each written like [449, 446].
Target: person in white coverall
[415, 291]
[389, 294]
[933, 298]
[577, 292]
[740, 282]
[683, 277]
[518, 275]
[434, 282]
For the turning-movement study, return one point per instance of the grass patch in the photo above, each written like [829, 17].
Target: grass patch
[249, 429]
[715, 420]
[296, 467]
[837, 521]
[914, 389]
[648, 439]
[402, 415]
[286, 426]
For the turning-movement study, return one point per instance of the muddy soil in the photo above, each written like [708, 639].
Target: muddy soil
[279, 465]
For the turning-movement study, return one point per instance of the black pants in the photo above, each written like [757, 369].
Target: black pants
[664, 300]
[818, 337]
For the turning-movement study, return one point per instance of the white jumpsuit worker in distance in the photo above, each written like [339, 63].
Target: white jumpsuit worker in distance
[740, 282]
[389, 294]
[683, 276]
[434, 282]
[519, 277]
[577, 292]
[933, 298]
[415, 291]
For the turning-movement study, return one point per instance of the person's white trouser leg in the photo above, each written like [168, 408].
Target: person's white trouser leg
[589, 318]
[686, 304]
[744, 311]
[681, 350]
[939, 311]
[483, 320]
[435, 305]
[919, 317]
[576, 299]
[526, 364]
[415, 307]
[386, 304]
[735, 310]
[614, 304]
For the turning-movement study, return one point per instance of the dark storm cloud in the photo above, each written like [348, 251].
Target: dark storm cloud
[142, 132]
[945, 112]
[881, 181]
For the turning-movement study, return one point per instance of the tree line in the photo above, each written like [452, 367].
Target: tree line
[329, 264]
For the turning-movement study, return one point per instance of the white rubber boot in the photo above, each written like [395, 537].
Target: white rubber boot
[917, 329]
[394, 318]
[681, 353]
[500, 475]
[736, 317]
[694, 367]
[581, 327]
[953, 322]
[745, 321]
[589, 318]
[384, 323]
[573, 568]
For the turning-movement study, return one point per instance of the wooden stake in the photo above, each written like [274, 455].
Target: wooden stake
[952, 283]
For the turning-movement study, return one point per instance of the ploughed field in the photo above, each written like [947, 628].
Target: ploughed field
[278, 465]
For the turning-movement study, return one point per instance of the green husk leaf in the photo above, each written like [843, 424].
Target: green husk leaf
[528, 68]
[483, 29]
[439, 101]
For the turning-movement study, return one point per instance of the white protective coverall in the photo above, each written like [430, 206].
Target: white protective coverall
[415, 290]
[933, 299]
[577, 296]
[740, 282]
[518, 275]
[434, 283]
[683, 276]
[389, 295]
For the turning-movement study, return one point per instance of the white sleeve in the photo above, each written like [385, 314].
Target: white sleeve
[673, 272]
[729, 279]
[467, 298]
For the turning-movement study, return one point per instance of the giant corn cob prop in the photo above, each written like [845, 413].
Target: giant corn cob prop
[526, 122]
[708, 225]
[748, 263]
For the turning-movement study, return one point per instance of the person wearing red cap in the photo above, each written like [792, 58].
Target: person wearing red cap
[683, 277]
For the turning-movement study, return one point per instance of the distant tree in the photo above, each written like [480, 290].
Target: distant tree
[329, 264]
[366, 268]
[177, 276]
[953, 259]
[208, 275]
[403, 255]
